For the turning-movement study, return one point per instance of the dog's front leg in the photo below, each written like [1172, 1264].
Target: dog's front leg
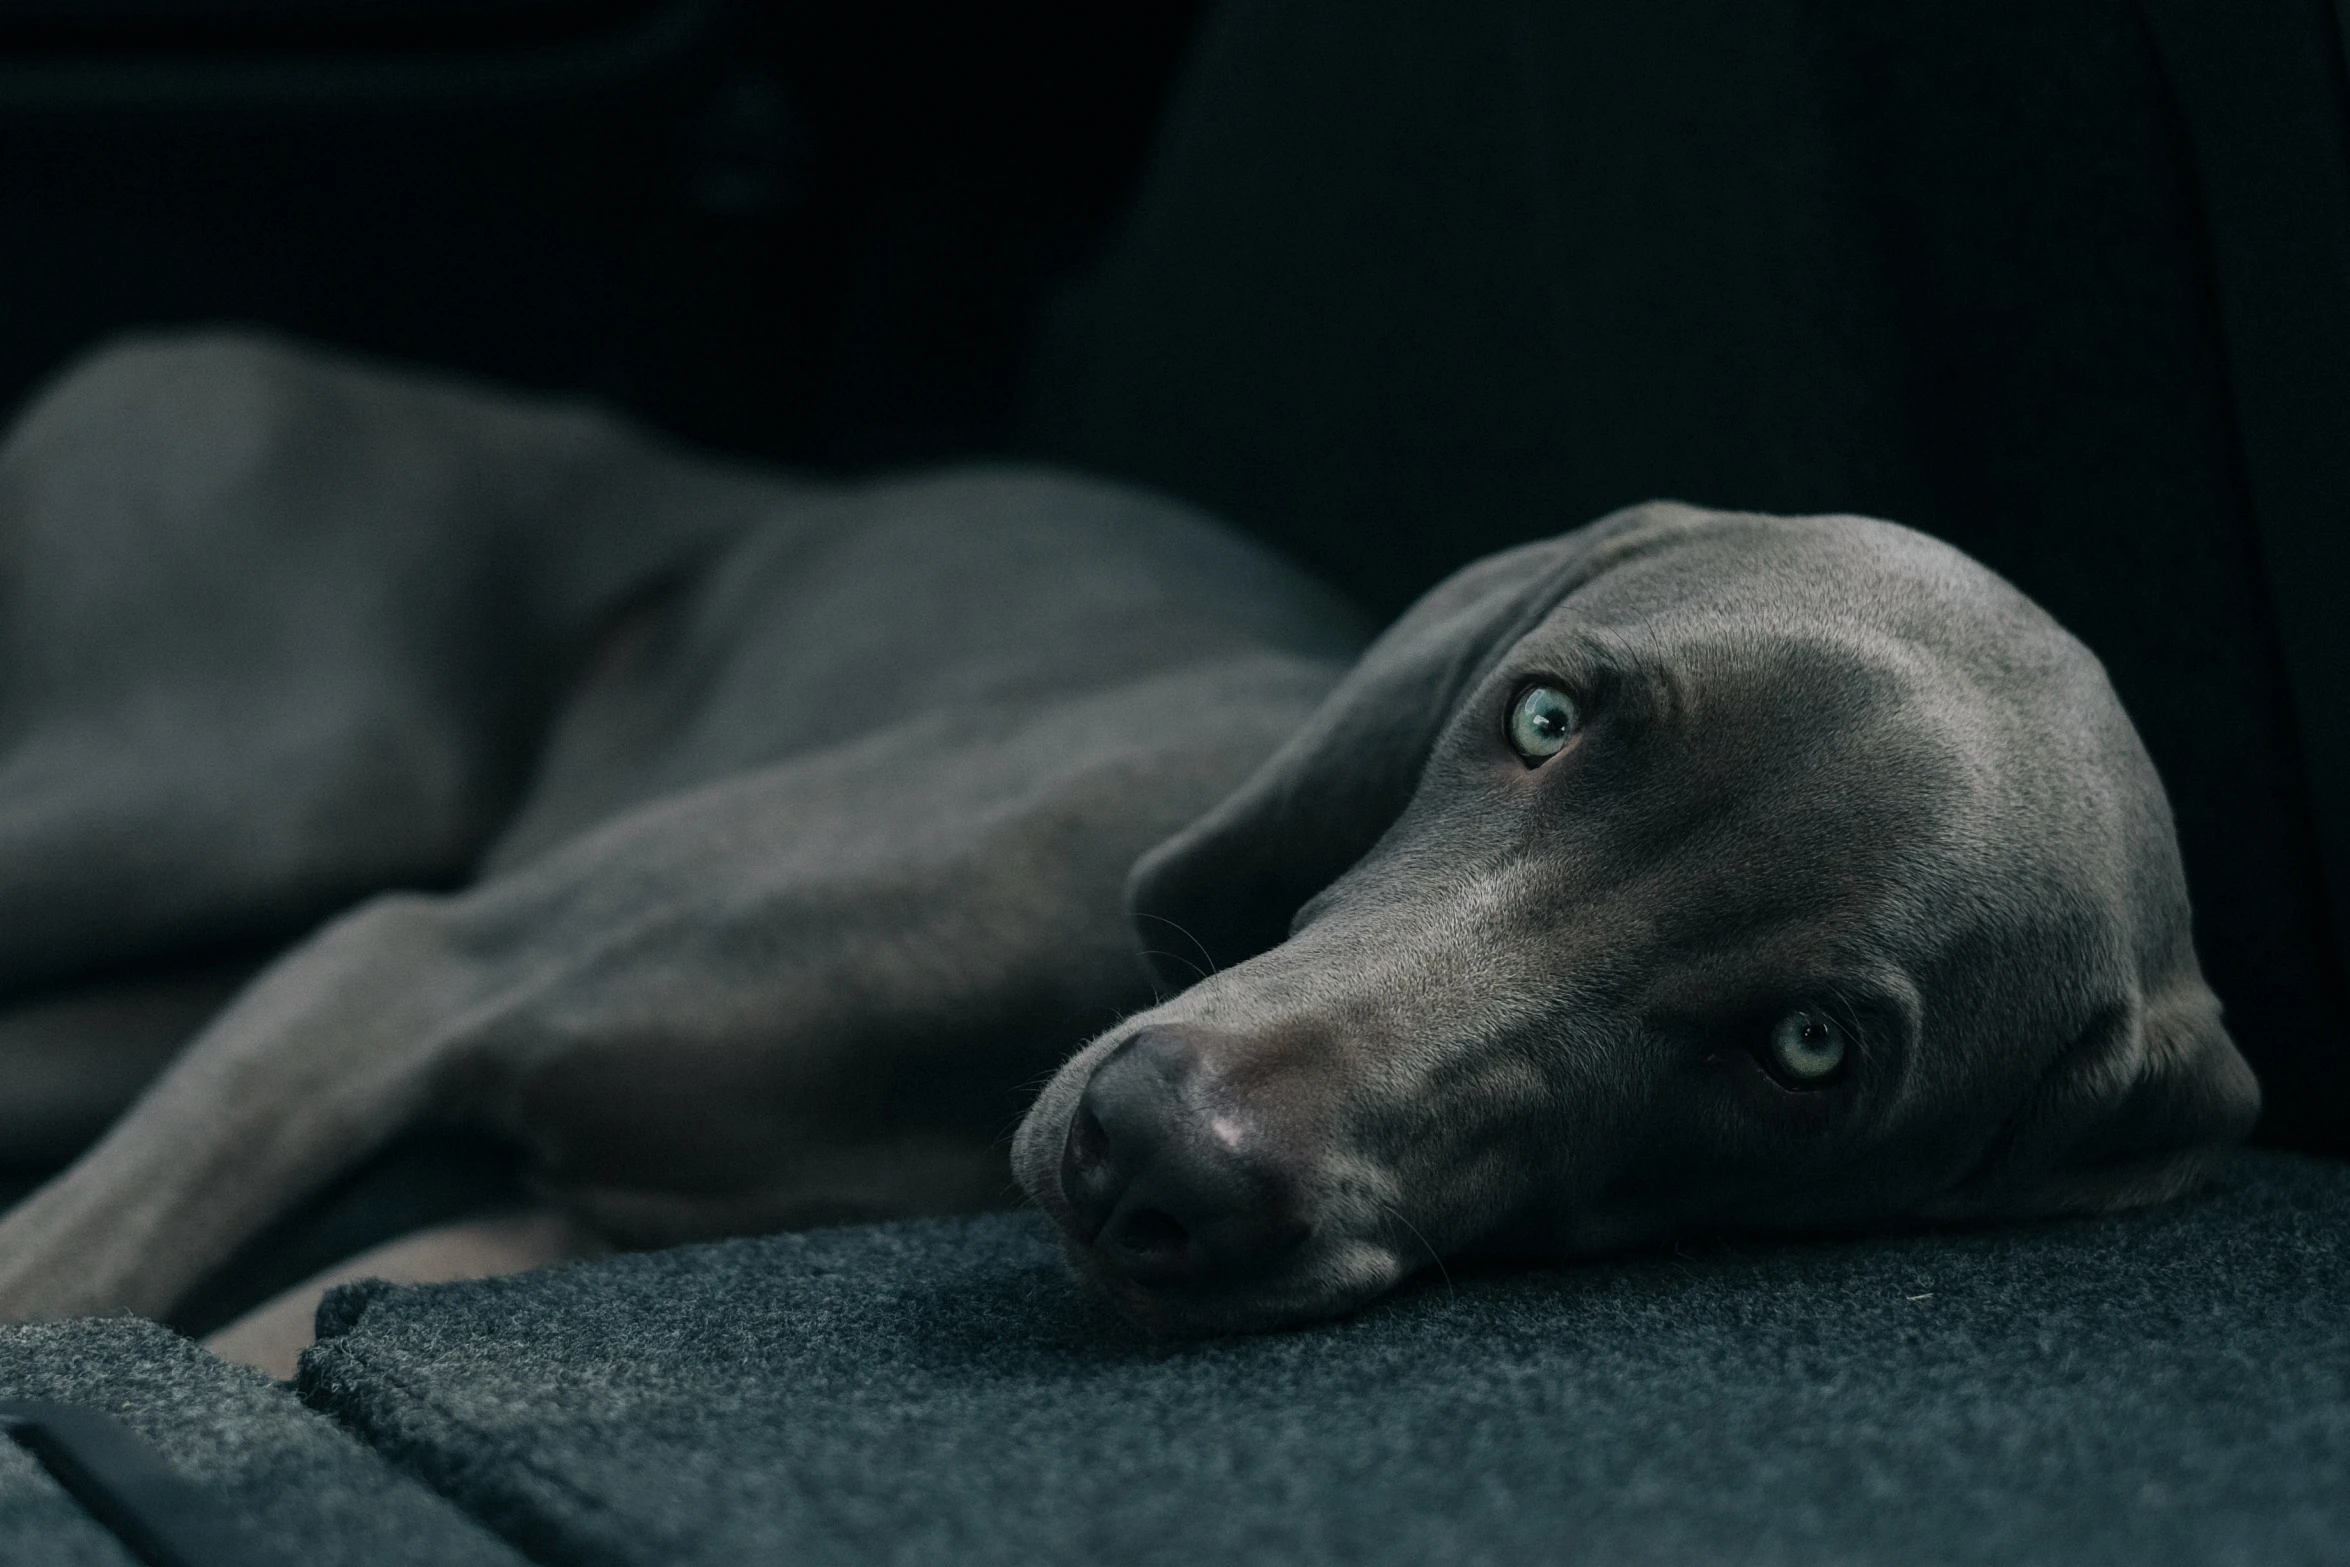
[323, 1059]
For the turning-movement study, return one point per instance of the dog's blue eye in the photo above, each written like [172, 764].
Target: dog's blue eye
[1807, 1047]
[1543, 722]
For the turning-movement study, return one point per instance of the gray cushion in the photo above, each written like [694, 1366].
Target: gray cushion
[293, 1478]
[2164, 1386]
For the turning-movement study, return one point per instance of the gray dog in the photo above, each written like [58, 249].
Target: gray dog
[761, 841]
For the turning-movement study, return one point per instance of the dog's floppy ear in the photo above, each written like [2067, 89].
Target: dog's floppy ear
[2137, 1110]
[1226, 887]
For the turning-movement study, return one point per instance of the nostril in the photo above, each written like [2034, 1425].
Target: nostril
[1089, 1145]
[1152, 1246]
[1089, 1180]
[1121, 1124]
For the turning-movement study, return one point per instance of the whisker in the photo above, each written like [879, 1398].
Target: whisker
[1177, 927]
[1161, 952]
[1442, 1271]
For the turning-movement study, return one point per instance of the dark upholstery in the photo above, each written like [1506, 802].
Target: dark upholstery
[291, 1478]
[2168, 1386]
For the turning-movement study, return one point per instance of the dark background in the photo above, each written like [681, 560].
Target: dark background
[807, 231]
[1389, 282]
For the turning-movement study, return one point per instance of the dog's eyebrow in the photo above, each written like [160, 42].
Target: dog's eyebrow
[1576, 648]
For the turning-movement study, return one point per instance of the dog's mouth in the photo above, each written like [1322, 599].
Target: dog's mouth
[1194, 1214]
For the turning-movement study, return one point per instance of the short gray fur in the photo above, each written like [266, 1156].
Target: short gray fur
[787, 835]
[788, 822]
[296, 1481]
[2169, 1385]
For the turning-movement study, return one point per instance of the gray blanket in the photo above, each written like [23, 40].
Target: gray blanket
[293, 1479]
[2165, 1386]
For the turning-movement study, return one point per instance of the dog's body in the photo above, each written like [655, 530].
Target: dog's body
[792, 828]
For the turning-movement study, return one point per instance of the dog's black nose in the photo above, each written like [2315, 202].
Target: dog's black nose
[1170, 1183]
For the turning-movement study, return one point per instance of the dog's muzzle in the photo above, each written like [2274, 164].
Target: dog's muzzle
[1176, 1187]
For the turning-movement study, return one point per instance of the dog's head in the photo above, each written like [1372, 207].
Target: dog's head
[1694, 869]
